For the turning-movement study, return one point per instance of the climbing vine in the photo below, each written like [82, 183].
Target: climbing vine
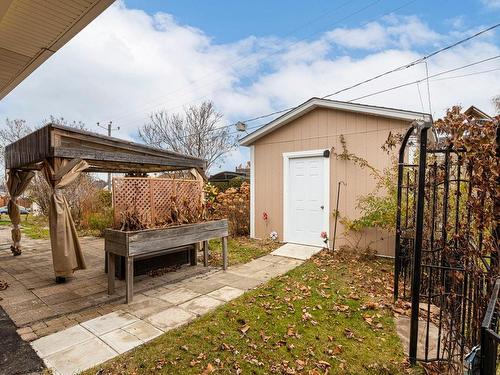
[378, 208]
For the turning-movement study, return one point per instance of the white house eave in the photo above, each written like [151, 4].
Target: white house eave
[397, 114]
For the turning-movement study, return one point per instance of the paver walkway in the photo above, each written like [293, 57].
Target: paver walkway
[38, 306]
[296, 251]
[153, 312]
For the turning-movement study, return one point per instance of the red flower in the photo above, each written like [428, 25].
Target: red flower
[265, 216]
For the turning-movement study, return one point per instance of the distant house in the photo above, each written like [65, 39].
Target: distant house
[226, 179]
[475, 112]
[244, 169]
[294, 177]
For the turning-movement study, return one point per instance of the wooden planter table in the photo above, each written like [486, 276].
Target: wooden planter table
[153, 242]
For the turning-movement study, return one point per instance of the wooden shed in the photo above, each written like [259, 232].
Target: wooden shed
[294, 175]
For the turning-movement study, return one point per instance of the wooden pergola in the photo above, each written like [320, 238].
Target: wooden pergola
[102, 153]
[62, 153]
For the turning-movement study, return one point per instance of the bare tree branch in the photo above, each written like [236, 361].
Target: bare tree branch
[196, 133]
[13, 130]
[496, 103]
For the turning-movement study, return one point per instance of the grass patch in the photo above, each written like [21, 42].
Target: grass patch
[240, 250]
[330, 315]
[35, 227]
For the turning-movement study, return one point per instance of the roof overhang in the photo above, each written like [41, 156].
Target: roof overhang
[314, 103]
[32, 31]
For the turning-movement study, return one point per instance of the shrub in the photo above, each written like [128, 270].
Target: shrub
[235, 182]
[99, 221]
[233, 204]
[95, 211]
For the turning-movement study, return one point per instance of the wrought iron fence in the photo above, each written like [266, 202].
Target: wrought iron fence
[444, 267]
[489, 335]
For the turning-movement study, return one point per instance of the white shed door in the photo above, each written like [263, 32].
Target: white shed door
[306, 217]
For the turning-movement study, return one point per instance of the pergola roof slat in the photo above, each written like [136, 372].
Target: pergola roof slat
[103, 153]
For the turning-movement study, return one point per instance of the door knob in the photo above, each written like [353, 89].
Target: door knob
[322, 207]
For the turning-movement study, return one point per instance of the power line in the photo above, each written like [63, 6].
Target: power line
[287, 47]
[420, 98]
[421, 80]
[413, 63]
[424, 79]
[351, 133]
[428, 86]
[244, 59]
[394, 70]
[402, 67]
[406, 66]
[369, 95]
[322, 136]
[467, 75]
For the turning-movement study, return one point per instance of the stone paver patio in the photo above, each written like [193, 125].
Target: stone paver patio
[153, 312]
[38, 306]
[76, 325]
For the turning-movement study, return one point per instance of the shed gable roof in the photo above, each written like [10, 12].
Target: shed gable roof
[314, 103]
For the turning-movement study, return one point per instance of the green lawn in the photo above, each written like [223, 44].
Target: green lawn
[35, 227]
[330, 315]
[241, 250]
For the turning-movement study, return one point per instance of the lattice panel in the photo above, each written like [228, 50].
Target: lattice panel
[152, 197]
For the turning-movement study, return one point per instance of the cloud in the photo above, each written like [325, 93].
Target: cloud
[127, 64]
[491, 3]
[371, 36]
[457, 22]
[395, 31]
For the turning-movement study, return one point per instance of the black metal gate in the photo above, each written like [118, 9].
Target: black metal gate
[446, 262]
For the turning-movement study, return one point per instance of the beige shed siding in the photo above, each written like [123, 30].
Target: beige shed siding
[321, 129]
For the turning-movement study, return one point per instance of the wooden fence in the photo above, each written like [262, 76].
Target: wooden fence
[24, 202]
[152, 197]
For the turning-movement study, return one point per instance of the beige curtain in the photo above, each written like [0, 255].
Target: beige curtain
[67, 254]
[17, 181]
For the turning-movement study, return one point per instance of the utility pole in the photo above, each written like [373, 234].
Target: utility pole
[109, 128]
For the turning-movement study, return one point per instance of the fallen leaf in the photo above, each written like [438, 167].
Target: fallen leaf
[264, 337]
[348, 333]
[208, 370]
[194, 362]
[338, 349]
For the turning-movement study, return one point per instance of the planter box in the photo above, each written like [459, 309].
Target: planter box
[150, 243]
[143, 266]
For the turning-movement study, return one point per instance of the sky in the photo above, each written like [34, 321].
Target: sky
[252, 58]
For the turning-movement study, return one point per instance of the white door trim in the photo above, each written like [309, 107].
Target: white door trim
[326, 170]
[252, 191]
